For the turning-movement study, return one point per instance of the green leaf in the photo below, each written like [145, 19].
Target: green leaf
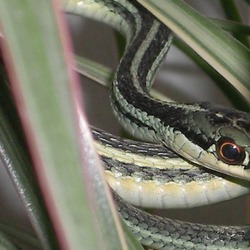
[93, 70]
[5, 243]
[232, 13]
[17, 234]
[14, 157]
[225, 54]
[232, 26]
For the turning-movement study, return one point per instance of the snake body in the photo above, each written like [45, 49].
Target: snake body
[163, 233]
[149, 175]
[212, 136]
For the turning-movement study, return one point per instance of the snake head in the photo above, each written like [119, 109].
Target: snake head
[224, 136]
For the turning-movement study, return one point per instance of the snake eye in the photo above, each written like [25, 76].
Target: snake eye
[229, 152]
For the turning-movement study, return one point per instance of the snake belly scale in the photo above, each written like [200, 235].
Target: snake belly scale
[205, 134]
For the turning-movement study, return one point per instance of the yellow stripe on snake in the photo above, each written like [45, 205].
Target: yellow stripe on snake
[210, 143]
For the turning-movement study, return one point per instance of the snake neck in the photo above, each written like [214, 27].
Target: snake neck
[145, 51]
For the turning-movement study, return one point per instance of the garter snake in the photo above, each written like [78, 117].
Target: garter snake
[205, 134]
[209, 135]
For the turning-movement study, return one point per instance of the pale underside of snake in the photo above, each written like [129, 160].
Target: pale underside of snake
[209, 135]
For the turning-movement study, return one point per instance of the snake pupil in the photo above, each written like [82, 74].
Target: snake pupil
[229, 152]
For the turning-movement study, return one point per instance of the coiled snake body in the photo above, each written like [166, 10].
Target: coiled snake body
[212, 136]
